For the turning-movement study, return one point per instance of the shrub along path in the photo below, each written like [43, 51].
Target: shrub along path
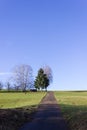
[48, 116]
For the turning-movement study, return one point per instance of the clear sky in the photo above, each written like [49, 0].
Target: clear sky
[46, 32]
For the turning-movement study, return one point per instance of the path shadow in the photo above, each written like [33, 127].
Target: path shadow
[14, 118]
[48, 117]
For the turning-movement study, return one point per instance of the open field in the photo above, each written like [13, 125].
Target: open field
[74, 108]
[18, 108]
[15, 100]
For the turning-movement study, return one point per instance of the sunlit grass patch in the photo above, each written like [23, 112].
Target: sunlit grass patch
[74, 108]
[18, 108]
[14, 100]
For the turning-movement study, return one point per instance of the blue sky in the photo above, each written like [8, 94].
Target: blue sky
[45, 32]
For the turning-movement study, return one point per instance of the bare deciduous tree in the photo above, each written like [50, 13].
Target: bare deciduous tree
[48, 72]
[22, 76]
[8, 86]
[1, 85]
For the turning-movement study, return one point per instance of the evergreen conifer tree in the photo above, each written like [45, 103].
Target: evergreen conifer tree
[41, 81]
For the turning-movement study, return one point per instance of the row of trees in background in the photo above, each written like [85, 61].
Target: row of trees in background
[7, 85]
[22, 79]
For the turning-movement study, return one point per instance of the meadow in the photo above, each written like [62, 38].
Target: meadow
[20, 99]
[74, 108]
[16, 108]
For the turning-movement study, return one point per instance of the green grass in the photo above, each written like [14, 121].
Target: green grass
[17, 108]
[74, 108]
[14, 100]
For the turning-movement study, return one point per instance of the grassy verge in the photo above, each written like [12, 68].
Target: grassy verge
[18, 108]
[74, 108]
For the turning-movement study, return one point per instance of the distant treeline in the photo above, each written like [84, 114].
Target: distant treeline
[22, 79]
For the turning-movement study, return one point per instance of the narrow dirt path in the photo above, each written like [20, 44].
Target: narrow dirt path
[48, 116]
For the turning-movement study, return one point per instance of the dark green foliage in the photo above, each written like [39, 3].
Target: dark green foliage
[41, 81]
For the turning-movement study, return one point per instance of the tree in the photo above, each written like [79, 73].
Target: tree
[22, 76]
[16, 87]
[1, 85]
[8, 85]
[41, 81]
[48, 71]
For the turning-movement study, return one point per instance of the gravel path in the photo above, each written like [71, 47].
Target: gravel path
[48, 116]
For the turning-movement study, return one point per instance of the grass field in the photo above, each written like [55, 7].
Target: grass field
[15, 100]
[74, 108]
[18, 108]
